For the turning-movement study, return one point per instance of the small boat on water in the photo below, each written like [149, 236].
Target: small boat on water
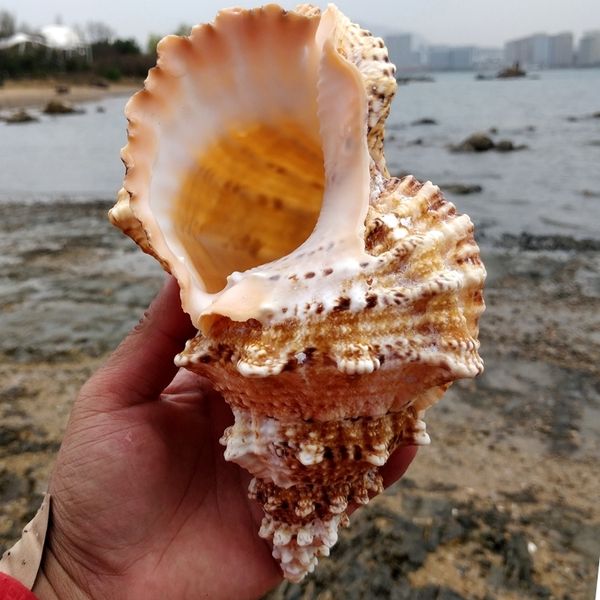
[511, 72]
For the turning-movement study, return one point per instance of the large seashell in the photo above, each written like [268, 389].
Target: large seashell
[334, 303]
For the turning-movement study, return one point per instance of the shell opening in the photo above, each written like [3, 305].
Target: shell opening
[250, 197]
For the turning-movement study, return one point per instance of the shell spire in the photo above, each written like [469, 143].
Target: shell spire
[334, 303]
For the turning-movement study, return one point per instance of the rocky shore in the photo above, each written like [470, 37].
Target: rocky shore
[502, 505]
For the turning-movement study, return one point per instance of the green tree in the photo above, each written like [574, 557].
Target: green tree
[128, 46]
[183, 29]
[153, 40]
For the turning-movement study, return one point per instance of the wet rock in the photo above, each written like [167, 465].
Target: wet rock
[425, 121]
[58, 107]
[13, 393]
[62, 88]
[461, 189]
[518, 566]
[99, 83]
[477, 142]
[525, 496]
[20, 116]
[435, 592]
[590, 193]
[508, 146]
[587, 541]
[100, 109]
[19, 440]
[575, 119]
[493, 130]
[12, 486]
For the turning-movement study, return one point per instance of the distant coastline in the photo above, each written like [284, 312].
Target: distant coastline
[37, 93]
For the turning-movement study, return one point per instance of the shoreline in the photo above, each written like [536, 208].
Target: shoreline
[501, 505]
[36, 94]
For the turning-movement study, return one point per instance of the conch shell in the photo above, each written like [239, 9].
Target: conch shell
[334, 303]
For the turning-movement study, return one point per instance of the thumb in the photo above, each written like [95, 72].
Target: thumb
[142, 366]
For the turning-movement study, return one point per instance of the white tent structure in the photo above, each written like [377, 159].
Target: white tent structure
[61, 37]
[55, 37]
[20, 40]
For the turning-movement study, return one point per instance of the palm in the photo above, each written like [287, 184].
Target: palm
[178, 520]
[144, 504]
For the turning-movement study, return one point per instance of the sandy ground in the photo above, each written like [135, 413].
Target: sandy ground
[502, 505]
[38, 94]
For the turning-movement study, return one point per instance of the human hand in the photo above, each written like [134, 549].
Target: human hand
[143, 503]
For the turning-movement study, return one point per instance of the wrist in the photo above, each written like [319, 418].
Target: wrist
[54, 581]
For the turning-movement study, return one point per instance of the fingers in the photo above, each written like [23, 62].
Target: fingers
[189, 388]
[397, 464]
[142, 365]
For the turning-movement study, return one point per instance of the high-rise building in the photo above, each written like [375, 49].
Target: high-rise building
[588, 53]
[407, 51]
[518, 51]
[541, 50]
[561, 50]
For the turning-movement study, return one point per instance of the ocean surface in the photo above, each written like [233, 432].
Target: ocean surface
[552, 187]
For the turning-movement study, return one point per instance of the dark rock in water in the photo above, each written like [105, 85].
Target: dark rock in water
[508, 146]
[528, 241]
[493, 130]
[482, 142]
[590, 194]
[477, 142]
[58, 107]
[100, 109]
[416, 142]
[62, 88]
[573, 119]
[99, 83]
[415, 79]
[461, 189]
[20, 116]
[425, 121]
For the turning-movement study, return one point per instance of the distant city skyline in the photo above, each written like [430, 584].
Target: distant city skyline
[411, 52]
[441, 22]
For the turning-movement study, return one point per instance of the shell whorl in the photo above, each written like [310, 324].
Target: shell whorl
[334, 303]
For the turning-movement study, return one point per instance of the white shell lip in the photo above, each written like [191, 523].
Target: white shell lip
[338, 235]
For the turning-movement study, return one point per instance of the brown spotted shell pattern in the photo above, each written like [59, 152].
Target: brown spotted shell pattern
[334, 303]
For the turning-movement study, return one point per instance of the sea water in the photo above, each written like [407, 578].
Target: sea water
[553, 186]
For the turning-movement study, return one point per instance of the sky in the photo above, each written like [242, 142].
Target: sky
[479, 22]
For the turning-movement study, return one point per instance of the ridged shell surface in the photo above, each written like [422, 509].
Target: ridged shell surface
[334, 303]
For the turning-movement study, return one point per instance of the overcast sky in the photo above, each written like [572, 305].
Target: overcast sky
[480, 22]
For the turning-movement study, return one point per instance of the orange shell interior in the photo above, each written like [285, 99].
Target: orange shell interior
[253, 196]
